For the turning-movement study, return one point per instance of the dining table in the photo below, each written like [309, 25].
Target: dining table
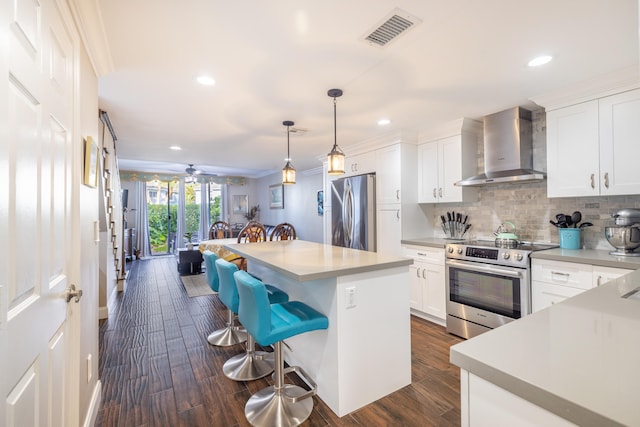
[217, 247]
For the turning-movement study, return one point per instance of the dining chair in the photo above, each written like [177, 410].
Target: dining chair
[220, 230]
[283, 231]
[254, 231]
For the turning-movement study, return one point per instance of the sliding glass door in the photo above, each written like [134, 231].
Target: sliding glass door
[162, 208]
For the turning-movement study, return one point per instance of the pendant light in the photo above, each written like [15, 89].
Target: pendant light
[288, 172]
[336, 156]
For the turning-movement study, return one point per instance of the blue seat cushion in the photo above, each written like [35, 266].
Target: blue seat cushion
[275, 295]
[292, 318]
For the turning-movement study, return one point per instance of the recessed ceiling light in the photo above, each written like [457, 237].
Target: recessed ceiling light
[384, 122]
[206, 80]
[175, 148]
[540, 60]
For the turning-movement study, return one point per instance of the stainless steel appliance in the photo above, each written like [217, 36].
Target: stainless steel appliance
[353, 212]
[625, 234]
[508, 149]
[487, 285]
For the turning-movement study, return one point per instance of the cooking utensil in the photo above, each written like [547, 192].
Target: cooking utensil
[568, 220]
[576, 217]
[585, 224]
[555, 224]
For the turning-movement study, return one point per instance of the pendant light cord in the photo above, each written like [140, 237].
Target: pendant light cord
[335, 126]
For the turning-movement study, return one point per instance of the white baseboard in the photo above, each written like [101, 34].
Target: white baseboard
[94, 405]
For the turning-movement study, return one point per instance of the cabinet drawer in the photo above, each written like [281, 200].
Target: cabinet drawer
[562, 273]
[544, 295]
[425, 254]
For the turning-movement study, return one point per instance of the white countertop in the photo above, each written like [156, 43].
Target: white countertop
[304, 261]
[589, 256]
[578, 359]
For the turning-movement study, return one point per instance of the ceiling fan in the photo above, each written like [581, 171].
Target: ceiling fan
[192, 173]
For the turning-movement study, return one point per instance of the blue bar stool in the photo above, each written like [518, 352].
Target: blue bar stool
[281, 404]
[210, 270]
[231, 334]
[251, 364]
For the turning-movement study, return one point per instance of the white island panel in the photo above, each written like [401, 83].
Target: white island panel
[365, 354]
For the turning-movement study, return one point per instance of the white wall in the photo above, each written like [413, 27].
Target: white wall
[300, 207]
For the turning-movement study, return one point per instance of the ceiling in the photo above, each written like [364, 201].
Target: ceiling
[275, 60]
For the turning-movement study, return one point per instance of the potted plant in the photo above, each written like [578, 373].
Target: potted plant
[188, 235]
[253, 213]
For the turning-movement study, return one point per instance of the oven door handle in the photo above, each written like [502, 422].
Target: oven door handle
[484, 268]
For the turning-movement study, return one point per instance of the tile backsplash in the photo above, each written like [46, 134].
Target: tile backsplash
[528, 207]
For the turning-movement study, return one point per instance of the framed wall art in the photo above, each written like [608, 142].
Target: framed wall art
[320, 202]
[240, 204]
[276, 196]
[90, 163]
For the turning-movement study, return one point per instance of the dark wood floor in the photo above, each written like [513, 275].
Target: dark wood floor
[157, 368]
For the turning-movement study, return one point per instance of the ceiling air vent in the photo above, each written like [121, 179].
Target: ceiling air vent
[394, 25]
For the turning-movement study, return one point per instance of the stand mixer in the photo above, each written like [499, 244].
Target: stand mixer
[625, 234]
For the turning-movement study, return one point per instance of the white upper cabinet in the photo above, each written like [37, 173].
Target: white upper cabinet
[593, 147]
[360, 164]
[443, 162]
[388, 174]
[620, 143]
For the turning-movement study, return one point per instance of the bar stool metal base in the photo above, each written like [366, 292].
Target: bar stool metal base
[269, 408]
[229, 335]
[249, 365]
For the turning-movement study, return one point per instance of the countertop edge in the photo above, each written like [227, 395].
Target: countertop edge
[399, 262]
[544, 399]
[597, 257]
[428, 242]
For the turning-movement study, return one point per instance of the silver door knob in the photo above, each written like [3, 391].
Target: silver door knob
[72, 293]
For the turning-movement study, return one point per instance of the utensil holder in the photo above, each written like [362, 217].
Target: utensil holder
[570, 238]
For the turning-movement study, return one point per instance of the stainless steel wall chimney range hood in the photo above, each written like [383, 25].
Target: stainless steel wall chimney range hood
[508, 150]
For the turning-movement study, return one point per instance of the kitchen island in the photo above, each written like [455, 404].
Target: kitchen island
[575, 362]
[365, 354]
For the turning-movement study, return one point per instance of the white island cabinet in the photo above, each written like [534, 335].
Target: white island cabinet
[365, 354]
[574, 363]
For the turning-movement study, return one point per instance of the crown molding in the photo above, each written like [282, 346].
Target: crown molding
[454, 127]
[88, 19]
[603, 85]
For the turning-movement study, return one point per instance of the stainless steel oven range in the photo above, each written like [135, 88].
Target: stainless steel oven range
[487, 285]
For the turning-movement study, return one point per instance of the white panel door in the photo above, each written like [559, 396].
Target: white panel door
[572, 151]
[619, 143]
[36, 155]
[450, 168]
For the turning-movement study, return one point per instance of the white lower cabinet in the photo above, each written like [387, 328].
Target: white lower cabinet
[427, 282]
[389, 230]
[602, 275]
[555, 281]
[486, 404]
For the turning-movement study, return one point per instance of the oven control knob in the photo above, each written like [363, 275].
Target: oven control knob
[460, 250]
[505, 255]
[519, 257]
[450, 249]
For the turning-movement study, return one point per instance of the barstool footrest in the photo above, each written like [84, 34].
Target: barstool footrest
[307, 380]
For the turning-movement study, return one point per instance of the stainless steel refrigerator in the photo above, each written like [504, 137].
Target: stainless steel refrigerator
[353, 212]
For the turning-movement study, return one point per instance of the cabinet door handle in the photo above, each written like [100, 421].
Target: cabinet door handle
[397, 194]
[606, 179]
[418, 272]
[593, 182]
[598, 280]
[423, 275]
[440, 192]
[398, 214]
[434, 193]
